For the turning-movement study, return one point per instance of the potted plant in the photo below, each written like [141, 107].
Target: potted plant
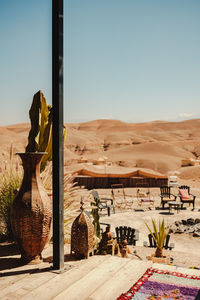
[159, 234]
[31, 211]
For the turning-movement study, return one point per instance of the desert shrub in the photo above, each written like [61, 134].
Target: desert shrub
[11, 178]
[72, 198]
[159, 234]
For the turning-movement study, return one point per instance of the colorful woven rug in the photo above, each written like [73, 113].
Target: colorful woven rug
[159, 284]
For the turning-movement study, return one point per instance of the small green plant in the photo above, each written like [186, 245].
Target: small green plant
[11, 178]
[159, 234]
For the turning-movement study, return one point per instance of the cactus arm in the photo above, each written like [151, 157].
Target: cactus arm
[64, 134]
[96, 217]
[46, 131]
[48, 155]
[48, 149]
[46, 122]
[34, 114]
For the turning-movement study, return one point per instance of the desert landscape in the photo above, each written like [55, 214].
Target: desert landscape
[159, 146]
[114, 146]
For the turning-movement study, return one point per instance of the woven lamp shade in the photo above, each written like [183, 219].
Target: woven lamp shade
[82, 236]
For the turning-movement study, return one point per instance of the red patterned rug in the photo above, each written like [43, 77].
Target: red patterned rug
[158, 284]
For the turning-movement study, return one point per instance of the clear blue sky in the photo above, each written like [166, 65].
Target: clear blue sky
[133, 60]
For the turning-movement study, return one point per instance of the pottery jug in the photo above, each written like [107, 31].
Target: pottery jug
[31, 211]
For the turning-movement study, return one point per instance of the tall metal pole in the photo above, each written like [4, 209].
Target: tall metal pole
[57, 101]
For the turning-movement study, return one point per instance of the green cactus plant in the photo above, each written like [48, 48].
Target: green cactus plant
[40, 135]
[96, 217]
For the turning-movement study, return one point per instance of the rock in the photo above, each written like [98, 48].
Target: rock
[179, 229]
[172, 228]
[197, 227]
[196, 234]
[191, 230]
[190, 221]
[177, 223]
[188, 226]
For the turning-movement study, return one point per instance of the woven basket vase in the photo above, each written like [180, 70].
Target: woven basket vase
[31, 212]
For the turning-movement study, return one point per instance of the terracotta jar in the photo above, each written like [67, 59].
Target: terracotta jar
[31, 211]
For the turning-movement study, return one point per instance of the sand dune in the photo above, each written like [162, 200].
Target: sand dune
[159, 145]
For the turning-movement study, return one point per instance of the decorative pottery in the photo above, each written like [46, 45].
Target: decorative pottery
[82, 235]
[31, 212]
[107, 244]
[124, 249]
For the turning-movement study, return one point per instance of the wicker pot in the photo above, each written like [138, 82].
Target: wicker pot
[159, 260]
[31, 212]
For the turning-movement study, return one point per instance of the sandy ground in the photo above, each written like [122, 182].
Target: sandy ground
[187, 248]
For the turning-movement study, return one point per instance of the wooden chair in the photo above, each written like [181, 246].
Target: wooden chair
[166, 195]
[129, 233]
[103, 203]
[144, 198]
[189, 198]
[118, 195]
[152, 243]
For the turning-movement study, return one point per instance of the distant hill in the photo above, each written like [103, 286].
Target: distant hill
[159, 145]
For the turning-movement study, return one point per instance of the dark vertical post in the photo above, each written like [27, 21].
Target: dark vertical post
[57, 101]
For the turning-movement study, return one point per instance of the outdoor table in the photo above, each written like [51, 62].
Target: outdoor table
[175, 204]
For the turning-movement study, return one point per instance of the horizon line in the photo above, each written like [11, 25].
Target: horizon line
[109, 119]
